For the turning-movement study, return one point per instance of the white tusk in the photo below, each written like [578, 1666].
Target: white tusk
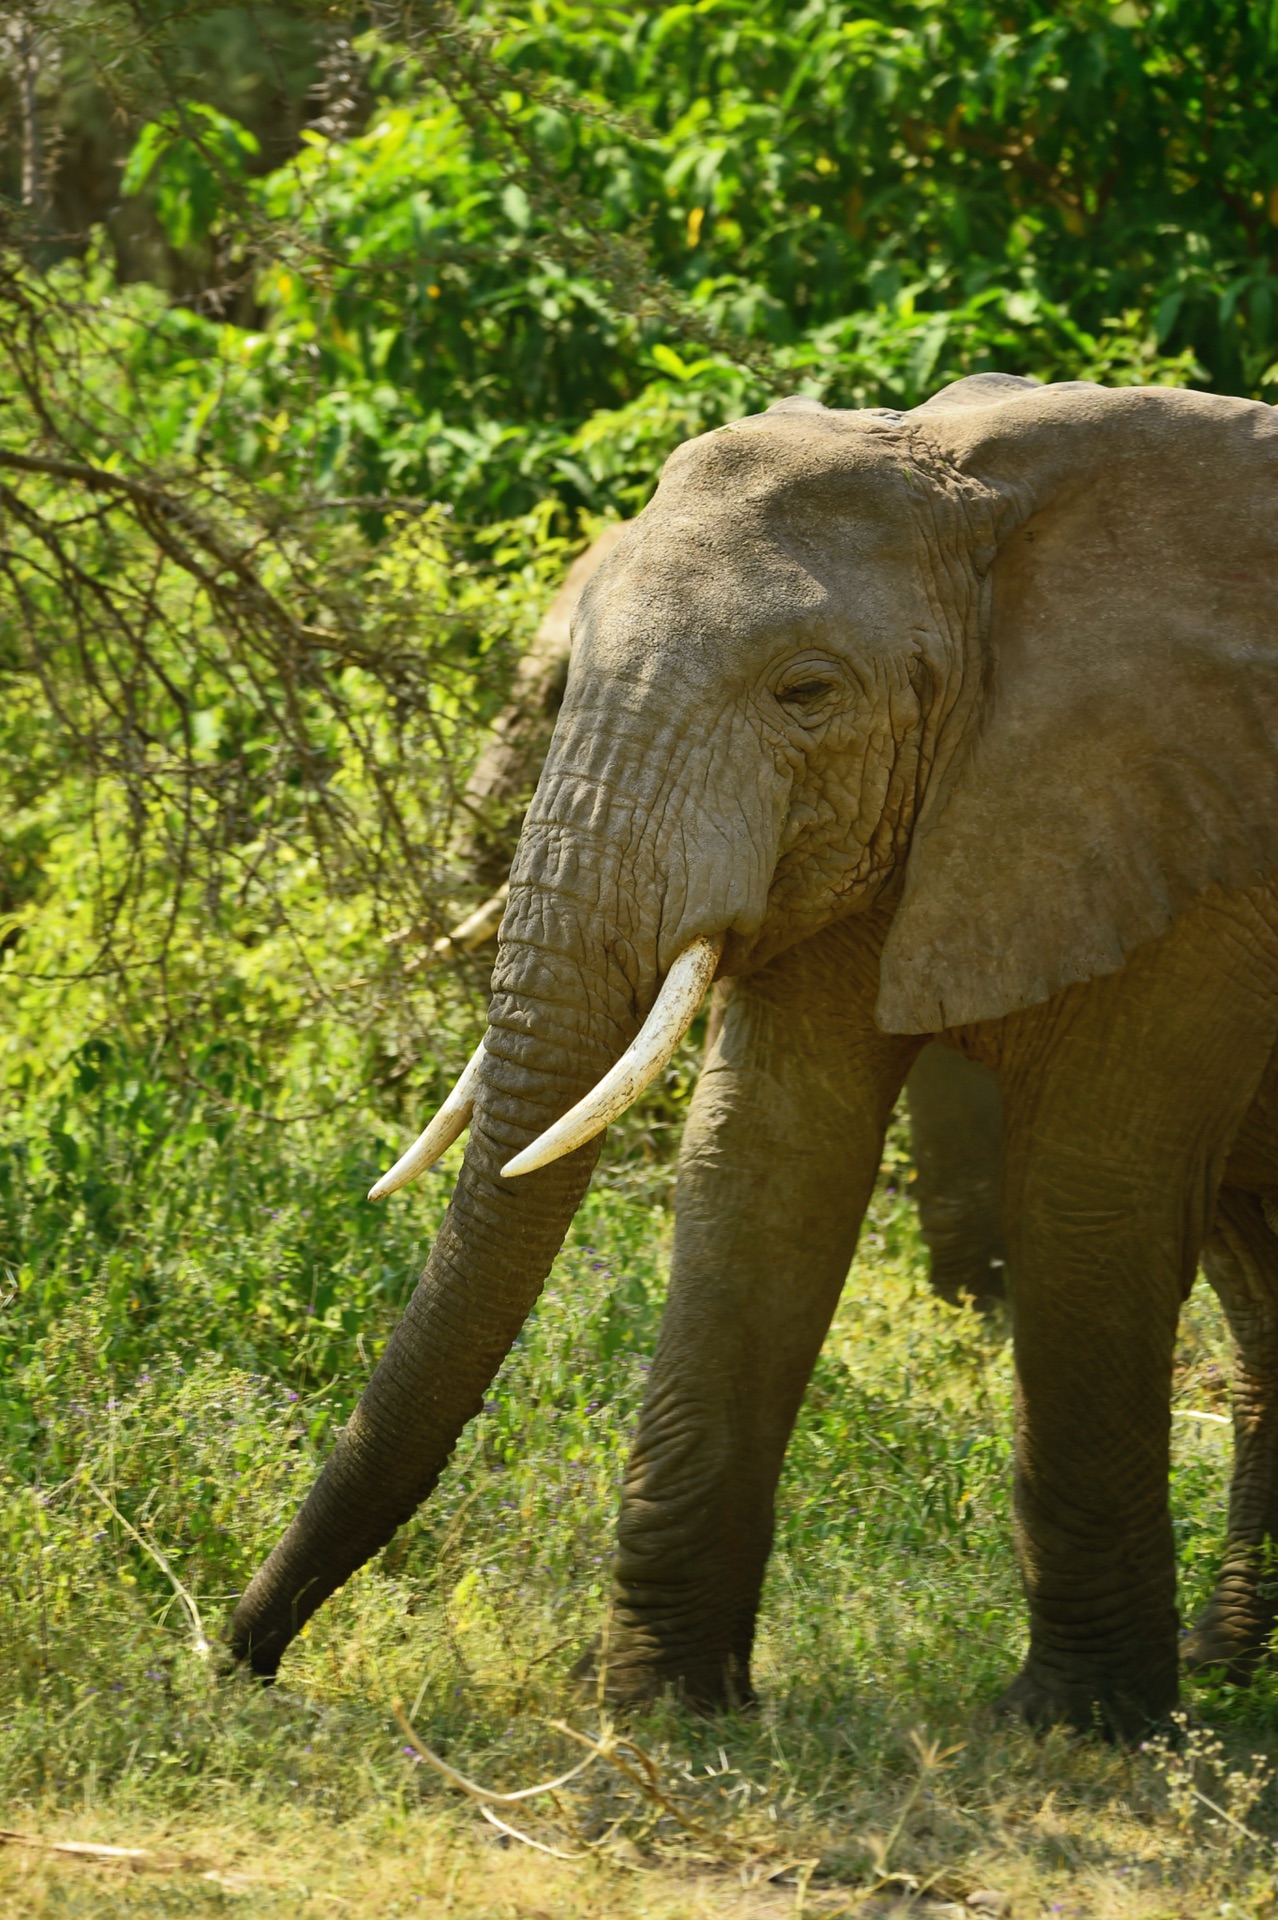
[452, 1119]
[477, 926]
[672, 1014]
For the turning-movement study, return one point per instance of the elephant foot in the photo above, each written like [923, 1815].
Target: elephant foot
[1044, 1697]
[1233, 1632]
[635, 1677]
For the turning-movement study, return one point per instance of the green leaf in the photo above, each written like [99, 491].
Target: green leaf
[668, 361]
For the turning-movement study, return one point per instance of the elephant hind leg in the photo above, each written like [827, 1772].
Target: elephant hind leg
[1241, 1261]
[956, 1126]
[1123, 1101]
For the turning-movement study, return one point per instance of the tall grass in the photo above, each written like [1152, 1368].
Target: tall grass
[190, 1311]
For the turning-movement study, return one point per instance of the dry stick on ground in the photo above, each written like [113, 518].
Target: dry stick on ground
[607, 1747]
[541, 1846]
[77, 1849]
[95, 1852]
[1240, 1826]
[485, 1795]
[604, 1748]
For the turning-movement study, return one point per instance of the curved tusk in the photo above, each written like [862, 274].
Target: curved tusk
[672, 1014]
[452, 1119]
[476, 927]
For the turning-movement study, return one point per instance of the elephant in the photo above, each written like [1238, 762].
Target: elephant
[955, 1111]
[962, 724]
[952, 1104]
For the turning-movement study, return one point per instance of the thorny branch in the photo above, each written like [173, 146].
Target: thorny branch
[194, 645]
[212, 671]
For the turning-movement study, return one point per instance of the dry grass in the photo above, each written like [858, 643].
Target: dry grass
[1048, 1827]
[423, 1863]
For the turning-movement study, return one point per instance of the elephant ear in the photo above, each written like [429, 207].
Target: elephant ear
[1122, 757]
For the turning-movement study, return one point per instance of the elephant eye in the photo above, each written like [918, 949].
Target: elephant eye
[805, 694]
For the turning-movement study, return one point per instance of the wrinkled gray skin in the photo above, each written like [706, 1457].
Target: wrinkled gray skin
[959, 724]
[953, 1104]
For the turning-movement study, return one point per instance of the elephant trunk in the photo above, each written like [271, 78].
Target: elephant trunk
[602, 903]
[554, 1028]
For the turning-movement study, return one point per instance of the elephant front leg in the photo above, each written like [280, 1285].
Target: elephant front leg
[1122, 1098]
[779, 1157]
[1241, 1261]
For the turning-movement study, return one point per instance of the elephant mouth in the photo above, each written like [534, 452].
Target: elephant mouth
[673, 1012]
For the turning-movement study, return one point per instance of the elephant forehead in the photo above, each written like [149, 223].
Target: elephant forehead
[797, 475]
[776, 528]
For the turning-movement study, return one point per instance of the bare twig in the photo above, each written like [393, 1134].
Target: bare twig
[1239, 1826]
[648, 1783]
[527, 1839]
[198, 1637]
[485, 1795]
[77, 1849]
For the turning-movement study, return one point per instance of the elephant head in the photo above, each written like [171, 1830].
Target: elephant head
[974, 666]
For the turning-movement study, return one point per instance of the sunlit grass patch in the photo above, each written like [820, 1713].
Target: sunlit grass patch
[157, 1445]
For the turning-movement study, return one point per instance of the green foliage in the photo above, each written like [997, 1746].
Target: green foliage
[186, 160]
[510, 293]
[236, 728]
[809, 162]
[551, 256]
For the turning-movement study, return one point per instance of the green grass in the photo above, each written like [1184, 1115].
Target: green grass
[183, 1329]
